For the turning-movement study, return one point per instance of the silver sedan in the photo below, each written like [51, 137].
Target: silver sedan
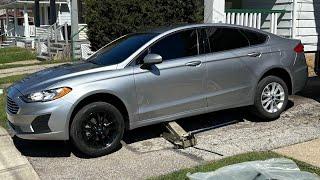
[157, 76]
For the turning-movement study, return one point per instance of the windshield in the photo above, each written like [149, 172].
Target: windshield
[119, 50]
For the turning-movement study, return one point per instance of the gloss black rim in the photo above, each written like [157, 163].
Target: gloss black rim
[99, 129]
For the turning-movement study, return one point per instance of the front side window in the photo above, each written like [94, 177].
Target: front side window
[223, 39]
[119, 50]
[177, 45]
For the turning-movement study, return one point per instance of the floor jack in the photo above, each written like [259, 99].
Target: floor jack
[178, 136]
[182, 139]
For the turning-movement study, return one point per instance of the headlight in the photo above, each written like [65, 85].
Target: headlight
[46, 95]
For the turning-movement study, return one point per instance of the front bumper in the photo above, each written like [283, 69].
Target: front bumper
[39, 121]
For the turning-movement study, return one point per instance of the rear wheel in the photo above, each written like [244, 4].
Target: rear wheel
[97, 129]
[271, 98]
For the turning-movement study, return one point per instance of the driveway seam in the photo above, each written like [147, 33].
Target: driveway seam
[14, 168]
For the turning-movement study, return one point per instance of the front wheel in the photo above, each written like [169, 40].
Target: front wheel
[97, 129]
[271, 98]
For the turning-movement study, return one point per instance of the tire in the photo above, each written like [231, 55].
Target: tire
[276, 100]
[97, 129]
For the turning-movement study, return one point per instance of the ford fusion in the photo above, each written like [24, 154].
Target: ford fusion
[157, 76]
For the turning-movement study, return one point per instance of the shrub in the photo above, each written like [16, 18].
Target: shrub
[110, 19]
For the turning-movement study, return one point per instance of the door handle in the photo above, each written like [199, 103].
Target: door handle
[193, 63]
[255, 54]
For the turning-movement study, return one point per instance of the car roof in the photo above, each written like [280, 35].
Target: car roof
[178, 27]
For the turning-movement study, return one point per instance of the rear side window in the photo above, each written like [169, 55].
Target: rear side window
[177, 45]
[223, 39]
[254, 37]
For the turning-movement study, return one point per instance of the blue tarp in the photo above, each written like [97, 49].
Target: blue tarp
[275, 169]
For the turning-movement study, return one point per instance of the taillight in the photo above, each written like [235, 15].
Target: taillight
[299, 48]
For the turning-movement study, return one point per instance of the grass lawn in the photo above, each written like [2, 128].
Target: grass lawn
[11, 79]
[3, 116]
[234, 160]
[13, 54]
[6, 80]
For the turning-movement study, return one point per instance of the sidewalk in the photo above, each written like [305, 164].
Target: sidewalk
[13, 166]
[308, 152]
[27, 62]
[25, 69]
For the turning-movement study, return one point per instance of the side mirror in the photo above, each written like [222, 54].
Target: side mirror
[151, 59]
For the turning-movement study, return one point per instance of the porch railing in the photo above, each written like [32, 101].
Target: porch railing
[253, 17]
[45, 35]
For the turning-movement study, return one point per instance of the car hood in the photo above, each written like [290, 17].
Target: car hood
[43, 79]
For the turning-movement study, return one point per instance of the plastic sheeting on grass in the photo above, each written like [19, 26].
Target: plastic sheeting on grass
[278, 169]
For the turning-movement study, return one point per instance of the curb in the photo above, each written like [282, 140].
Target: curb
[13, 165]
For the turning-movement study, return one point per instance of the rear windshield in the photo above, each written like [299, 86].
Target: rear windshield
[119, 50]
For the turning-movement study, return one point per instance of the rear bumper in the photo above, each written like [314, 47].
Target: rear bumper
[317, 70]
[300, 79]
[317, 65]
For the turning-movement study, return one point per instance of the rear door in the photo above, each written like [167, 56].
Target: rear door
[259, 55]
[229, 81]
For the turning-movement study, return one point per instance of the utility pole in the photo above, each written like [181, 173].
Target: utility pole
[74, 26]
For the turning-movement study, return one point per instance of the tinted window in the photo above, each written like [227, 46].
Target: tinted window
[222, 39]
[178, 45]
[121, 49]
[254, 37]
[203, 41]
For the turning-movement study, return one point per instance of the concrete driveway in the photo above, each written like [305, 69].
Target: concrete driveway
[145, 154]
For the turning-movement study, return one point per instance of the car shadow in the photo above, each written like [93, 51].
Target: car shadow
[43, 148]
[48, 148]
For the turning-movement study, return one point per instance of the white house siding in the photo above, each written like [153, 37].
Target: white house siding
[214, 11]
[285, 22]
[64, 15]
[308, 23]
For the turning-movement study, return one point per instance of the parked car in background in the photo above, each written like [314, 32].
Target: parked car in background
[157, 76]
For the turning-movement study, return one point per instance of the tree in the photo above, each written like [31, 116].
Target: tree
[110, 19]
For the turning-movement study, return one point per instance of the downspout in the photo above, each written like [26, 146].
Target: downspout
[74, 27]
[294, 19]
[37, 13]
[53, 11]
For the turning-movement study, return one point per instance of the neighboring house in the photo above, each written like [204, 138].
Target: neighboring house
[38, 22]
[298, 19]
[27, 10]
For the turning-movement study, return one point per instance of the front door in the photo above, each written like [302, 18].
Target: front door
[175, 87]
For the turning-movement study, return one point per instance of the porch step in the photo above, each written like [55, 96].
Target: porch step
[4, 45]
[43, 58]
[55, 49]
[58, 45]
